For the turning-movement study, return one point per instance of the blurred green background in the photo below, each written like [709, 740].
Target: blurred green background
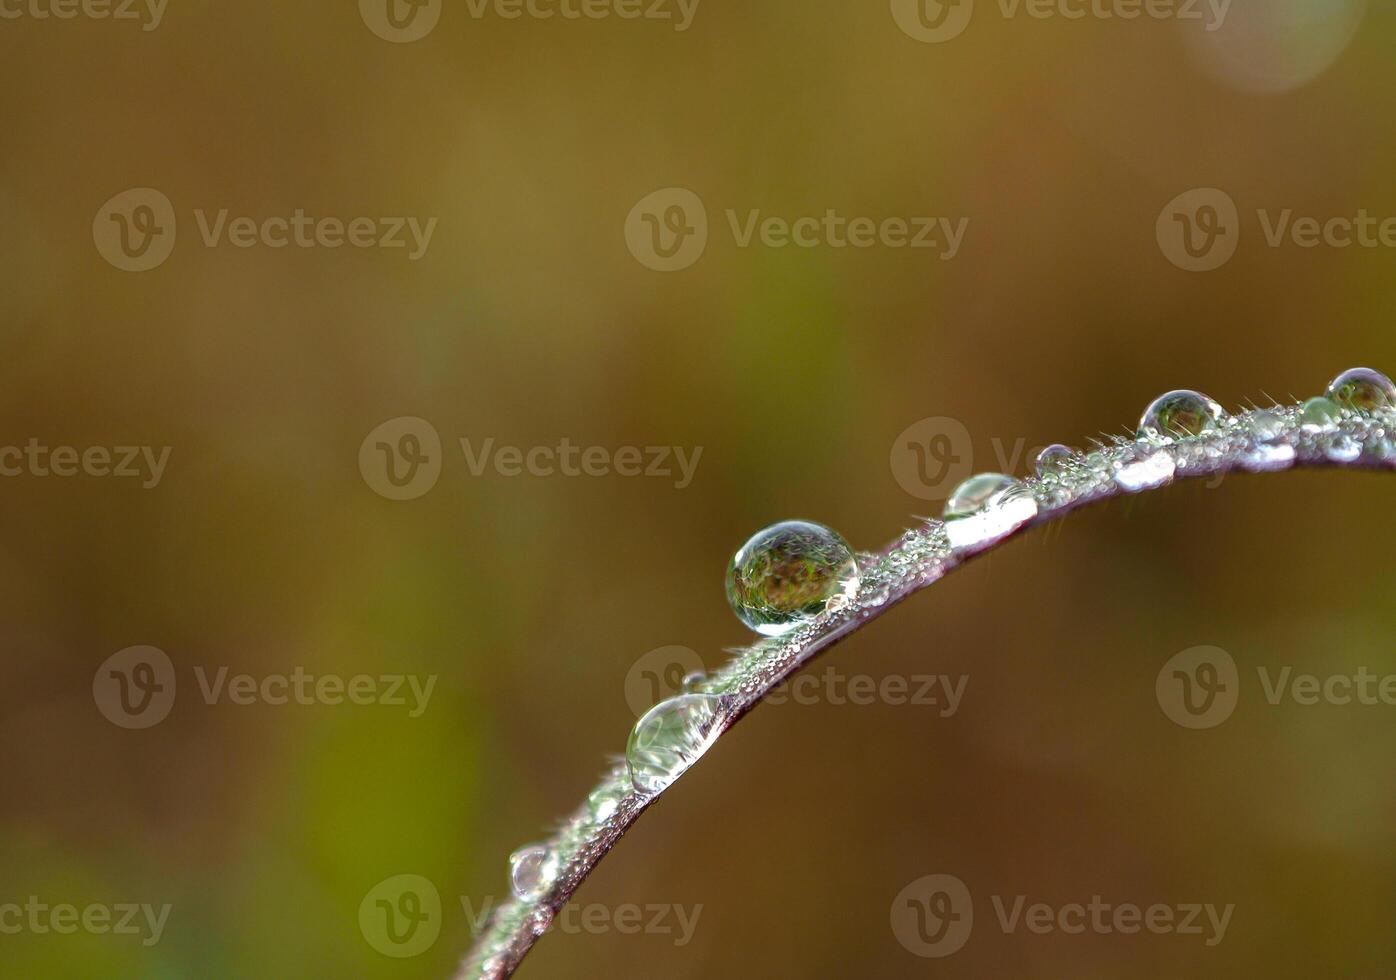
[529, 320]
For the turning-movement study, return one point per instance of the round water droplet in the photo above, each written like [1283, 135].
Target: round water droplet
[693, 682]
[603, 803]
[532, 871]
[977, 493]
[1265, 425]
[1055, 460]
[1177, 415]
[1320, 414]
[671, 736]
[786, 575]
[1363, 390]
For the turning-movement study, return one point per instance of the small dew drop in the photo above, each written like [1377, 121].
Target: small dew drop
[1265, 425]
[1055, 460]
[670, 737]
[1363, 390]
[1178, 415]
[977, 493]
[693, 682]
[1320, 415]
[532, 870]
[787, 575]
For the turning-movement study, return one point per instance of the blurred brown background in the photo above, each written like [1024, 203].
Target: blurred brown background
[264, 547]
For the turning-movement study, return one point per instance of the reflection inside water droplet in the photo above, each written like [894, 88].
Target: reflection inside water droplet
[787, 574]
[1178, 415]
[532, 871]
[671, 736]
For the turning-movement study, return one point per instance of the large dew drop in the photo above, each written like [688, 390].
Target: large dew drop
[1363, 390]
[787, 574]
[670, 737]
[1177, 415]
[532, 871]
[986, 508]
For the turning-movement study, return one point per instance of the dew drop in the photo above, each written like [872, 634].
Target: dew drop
[532, 870]
[986, 508]
[1055, 460]
[1265, 425]
[976, 493]
[1177, 415]
[1320, 415]
[670, 737]
[693, 682]
[787, 574]
[1363, 390]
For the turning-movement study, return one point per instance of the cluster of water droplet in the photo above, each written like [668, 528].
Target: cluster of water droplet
[792, 581]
